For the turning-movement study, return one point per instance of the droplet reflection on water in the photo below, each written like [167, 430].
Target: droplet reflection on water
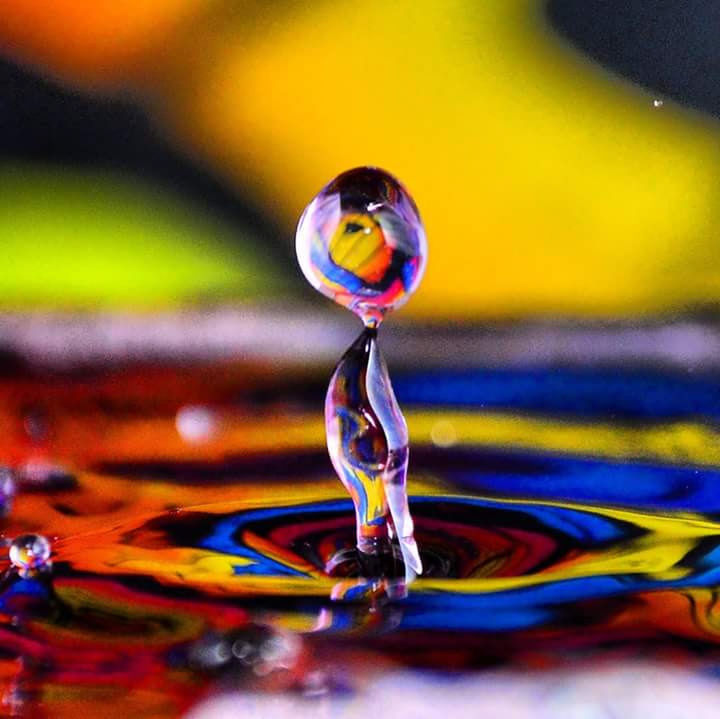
[533, 552]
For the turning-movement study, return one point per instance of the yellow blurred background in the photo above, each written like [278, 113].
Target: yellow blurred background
[549, 184]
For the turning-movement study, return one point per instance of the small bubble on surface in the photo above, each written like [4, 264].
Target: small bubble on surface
[30, 553]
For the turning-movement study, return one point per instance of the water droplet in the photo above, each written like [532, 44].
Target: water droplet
[30, 553]
[361, 243]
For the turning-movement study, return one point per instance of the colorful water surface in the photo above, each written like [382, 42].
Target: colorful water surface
[190, 548]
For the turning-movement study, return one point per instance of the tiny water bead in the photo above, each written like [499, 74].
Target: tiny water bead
[30, 553]
[361, 243]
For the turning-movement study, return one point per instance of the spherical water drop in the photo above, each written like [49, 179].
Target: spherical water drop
[30, 553]
[361, 243]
